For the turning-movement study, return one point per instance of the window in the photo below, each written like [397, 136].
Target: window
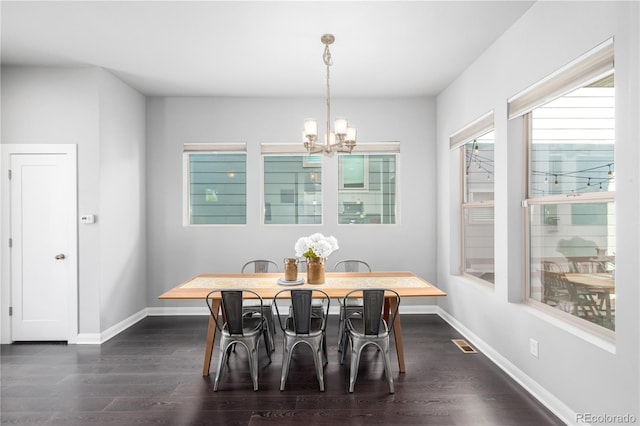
[216, 183]
[476, 145]
[571, 193]
[292, 186]
[367, 185]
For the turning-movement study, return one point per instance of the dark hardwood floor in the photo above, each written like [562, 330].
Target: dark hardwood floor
[151, 375]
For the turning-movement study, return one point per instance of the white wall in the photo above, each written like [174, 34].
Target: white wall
[105, 118]
[580, 374]
[177, 253]
[122, 221]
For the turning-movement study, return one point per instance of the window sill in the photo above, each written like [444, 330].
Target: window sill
[591, 333]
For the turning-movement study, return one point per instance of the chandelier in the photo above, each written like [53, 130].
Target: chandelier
[343, 138]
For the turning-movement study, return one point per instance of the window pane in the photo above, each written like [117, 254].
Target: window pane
[478, 249]
[572, 259]
[478, 168]
[573, 139]
[217, 188]
[367, 189]
[292, 189]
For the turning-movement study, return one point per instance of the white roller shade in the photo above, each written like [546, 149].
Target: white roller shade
[215, 147]
[282, 148]
[364, 148]
[377, 148]
[471, 131]
[588, 68]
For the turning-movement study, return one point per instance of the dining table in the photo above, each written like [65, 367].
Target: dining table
[600, 283]
[336, 285]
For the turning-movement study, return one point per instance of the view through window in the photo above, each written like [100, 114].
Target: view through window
[478, 258]
[217, 188]
[571, 203]
[292, 189]
[367, 189]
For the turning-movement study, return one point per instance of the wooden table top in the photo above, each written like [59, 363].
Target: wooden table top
[337, 284]
[595, 280]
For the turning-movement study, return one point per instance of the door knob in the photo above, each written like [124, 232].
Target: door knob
[60, 256]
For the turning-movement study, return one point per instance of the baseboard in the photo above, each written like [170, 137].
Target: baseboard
[545, 397]
[171, 311]
[99, 338]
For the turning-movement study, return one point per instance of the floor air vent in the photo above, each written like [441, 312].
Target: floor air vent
[464, 346]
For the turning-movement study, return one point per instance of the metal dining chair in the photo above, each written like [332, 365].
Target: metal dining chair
[369, 327]
[259, 266]
[238, 328]
[301, 325]
[353, 305]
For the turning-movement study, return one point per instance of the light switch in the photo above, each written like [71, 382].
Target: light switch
[87, 218]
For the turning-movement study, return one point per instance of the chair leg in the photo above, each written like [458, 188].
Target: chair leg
[341, 328]
[286, 359]
[387, 365]
[252, 353]
[346, 338]
[356, 350]
[268, 343]
[319, 363]
[224, 353]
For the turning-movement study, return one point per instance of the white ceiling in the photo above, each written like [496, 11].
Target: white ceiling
[261, 48]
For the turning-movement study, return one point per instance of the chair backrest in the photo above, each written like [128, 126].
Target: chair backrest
[557, 281]
[352, 265]
[232, 304]
[373, 308]
[302, 308]
[260, 266]
[588, 267]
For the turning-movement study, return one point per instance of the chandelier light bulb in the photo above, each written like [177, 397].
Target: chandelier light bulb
[340, 126]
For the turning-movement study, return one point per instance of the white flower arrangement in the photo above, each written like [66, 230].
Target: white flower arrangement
[316, 245]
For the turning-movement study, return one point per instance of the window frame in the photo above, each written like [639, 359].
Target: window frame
[194, 148]
[593, 66]
[366, 150]
[458, 140]
[268, 149]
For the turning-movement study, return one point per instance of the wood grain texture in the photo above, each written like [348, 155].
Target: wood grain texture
[150, 374]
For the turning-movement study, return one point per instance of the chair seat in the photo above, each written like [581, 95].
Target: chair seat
[250, 327]
[356, 326]
[267, 314]
[316, 327]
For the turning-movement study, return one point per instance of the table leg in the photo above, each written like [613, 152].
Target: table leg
[211, 336]
[607, 305]
[397, 332]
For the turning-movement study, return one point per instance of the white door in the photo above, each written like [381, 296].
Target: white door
[43, 271]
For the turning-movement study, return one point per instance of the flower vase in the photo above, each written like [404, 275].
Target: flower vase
[315, 270]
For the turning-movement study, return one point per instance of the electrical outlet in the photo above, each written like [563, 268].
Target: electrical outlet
[533, 347]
